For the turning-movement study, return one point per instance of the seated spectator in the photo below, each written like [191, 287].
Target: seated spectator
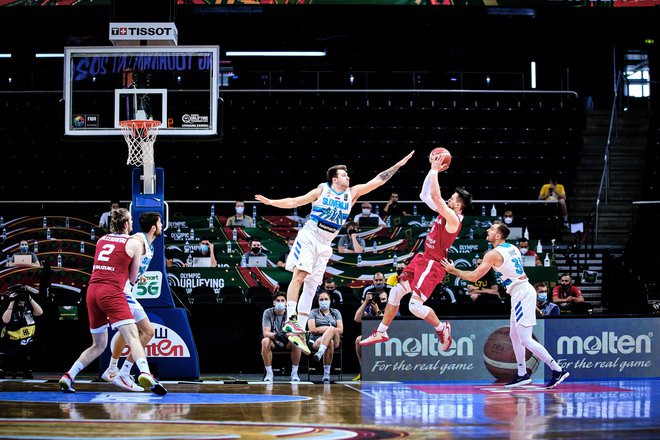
[377, 286]
[206, 251]
[325, 328]
[508, 218]
[24, 250]
[373, 308]
[366, 212]
[329, 286]
[523, 246]
[274, 338]
[485, 288]
[351, 243]
[104, 221]
[565, 295]
[555, 191]
[393, 279]
[543, 306]
[281, 261]
[392, 206]
[240, 219]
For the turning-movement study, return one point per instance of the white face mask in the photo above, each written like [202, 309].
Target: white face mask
[366, 211]
[523, 251]
[508, 220]
[240, 209]
[280, 306]
[324, 305]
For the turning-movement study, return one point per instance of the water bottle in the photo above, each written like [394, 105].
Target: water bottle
[82, 246]
[359, 260]
[471, 233]
[394, 260]
[414, 209]
[66, 222]
[423, 221]
[375, 248]
[546, 260]
[377, 210]
[48, 234]
[4, 234]
[539, 247]
[192, 234]
[552, 252]
[295, 211]
[211, 222]
[212, 210]
[493, 211]
[389, 221]
[36, 246]
[189, 261]
[178, 229]
[301, 222]
[526, 233]
[45, 222]
[244, 260]
[92, 234]
[254, 215]
[186, 247]
[228, 246]
[59, 260]
[483, 210]
[234, 235]
[2, 222]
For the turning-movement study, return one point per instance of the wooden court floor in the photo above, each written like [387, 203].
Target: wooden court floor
[244, 407]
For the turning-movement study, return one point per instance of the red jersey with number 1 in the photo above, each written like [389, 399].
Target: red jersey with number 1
[438, 240]
[111, 262]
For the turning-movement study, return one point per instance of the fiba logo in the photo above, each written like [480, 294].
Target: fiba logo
[500, 359]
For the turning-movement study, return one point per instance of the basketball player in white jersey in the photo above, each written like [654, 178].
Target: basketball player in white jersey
[153, 225]
[331, 205]
[506, 261]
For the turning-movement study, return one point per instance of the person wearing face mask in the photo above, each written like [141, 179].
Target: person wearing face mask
[351, 243]
[329, 286]
[393, 279]
[508, 218]
[325, 329]
[543, 306]
[378, 286]
[205, 254]
[523, 246]
[240, 219]
[281, 261]
[20, 327]
[24, 249]
[367, 212]
[274, 338]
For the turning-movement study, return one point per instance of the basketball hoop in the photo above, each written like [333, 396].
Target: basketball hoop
[140, 136]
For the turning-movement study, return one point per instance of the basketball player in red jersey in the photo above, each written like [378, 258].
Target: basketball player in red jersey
[117, 259]
[424, 271]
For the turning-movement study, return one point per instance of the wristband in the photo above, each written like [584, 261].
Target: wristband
[433, 171]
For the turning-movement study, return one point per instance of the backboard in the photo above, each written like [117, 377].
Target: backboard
[176, 85]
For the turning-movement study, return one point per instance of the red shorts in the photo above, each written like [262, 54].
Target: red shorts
[423, 275]
[106, 302]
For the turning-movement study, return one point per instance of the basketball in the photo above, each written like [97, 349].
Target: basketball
[443, 152]
[499, 357]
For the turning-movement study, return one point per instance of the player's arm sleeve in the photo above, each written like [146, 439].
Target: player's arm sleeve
[425, 195]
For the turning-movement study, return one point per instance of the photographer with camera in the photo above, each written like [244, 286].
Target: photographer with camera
[351, 243]
[19, 330]
[274, 338]
[378, 286]
[566, 295]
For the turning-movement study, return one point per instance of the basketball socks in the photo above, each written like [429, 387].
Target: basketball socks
[440, 327]
[126, 368]
[322, 349]
[302, 321]
[291, 309]
[382, 328]
[75, 369]
[143, 365]
[326, 370]
[269, 369]
[294, 369]
[113, 363]
[554, 366]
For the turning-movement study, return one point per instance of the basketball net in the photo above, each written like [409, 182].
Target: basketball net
[140, 136]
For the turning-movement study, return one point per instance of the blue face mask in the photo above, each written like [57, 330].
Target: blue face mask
[24, 248]
[543, 297]
[280, 306]
[324, 305]
[204, 248]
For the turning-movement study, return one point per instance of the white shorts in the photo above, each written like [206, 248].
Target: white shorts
[523, 305]
[136, 308]
[309, 254]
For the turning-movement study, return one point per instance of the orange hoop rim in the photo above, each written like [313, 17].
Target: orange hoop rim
[148, 123]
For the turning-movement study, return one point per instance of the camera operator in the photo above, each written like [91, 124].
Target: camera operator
[19, 330]
[566, 294]
[351, 243]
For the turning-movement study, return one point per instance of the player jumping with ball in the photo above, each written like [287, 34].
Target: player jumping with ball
[424, 271]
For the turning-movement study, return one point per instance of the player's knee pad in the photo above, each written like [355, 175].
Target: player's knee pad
[418, 309]
[398, 292]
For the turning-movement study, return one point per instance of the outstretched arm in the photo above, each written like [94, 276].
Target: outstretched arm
[490, 259]
[379, 180]
[442, 208]
[291, 202]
